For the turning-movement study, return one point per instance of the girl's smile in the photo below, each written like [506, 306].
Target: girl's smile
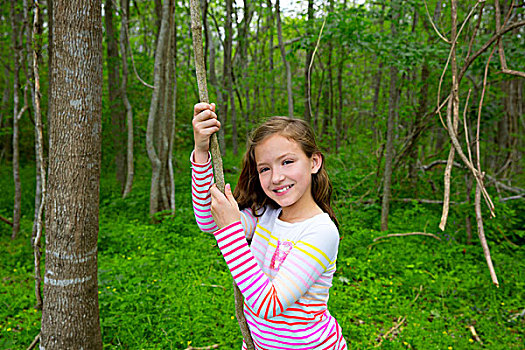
[285, 174]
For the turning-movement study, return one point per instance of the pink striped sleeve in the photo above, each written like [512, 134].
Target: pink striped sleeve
[201, 181]
[305, 263]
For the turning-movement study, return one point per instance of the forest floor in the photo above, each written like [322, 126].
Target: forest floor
[166, 286]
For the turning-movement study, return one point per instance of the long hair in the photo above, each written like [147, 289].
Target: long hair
[249, 193]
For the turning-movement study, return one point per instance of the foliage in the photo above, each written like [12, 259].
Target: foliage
[166, 286]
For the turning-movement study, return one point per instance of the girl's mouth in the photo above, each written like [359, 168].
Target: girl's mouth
[283, 189]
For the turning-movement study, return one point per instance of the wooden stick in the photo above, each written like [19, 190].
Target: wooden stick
[408, 234]
[10, 223]
[474, 334]
[35, 341]
[214, 346]
[196, 30]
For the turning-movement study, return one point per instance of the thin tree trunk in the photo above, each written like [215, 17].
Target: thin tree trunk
[39, 150]
[308, 59]
[228, 42]
[124, 29]
[283, 56]
[270, 19]
[392, 111]
[70, 316]
[116, 107]
[17, 113]
[153, 116]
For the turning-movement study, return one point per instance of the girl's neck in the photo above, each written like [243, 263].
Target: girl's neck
[290, 215]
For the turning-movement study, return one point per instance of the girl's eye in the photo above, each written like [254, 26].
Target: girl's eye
[262, 170]
[287, 162]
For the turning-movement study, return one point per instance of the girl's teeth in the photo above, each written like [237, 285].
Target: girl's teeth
[283, 189]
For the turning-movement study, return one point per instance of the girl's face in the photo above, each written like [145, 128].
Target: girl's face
[285, 174]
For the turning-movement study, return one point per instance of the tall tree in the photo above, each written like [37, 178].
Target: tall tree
[17, 42]
[118, 121]
[227, 73]
[308, 60]
[160, 113]
[70, 316]
[123, 43]
[283, 56]
[392, 113]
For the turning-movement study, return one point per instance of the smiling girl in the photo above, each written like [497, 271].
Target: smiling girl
[282, 204]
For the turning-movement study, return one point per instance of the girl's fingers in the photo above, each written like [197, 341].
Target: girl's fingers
[201, 106]
[207, 125]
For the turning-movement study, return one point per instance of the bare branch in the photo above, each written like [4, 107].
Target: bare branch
[434, 26]
[10, 223]
[481, 234]
[408, 234]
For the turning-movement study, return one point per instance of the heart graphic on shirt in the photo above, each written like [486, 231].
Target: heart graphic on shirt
[280, 254]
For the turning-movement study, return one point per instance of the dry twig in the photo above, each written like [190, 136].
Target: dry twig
[474, 334]
[214, 346]
[408, 234]
[10, 223]
[34, 342]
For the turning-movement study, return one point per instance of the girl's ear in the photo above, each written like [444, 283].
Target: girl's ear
[317, 161]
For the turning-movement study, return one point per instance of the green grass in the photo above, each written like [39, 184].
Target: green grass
[163, 286]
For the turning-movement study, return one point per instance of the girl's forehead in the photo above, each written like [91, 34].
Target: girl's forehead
[275, 146]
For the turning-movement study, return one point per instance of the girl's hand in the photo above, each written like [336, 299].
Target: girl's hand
[204, 123]
[224, 208]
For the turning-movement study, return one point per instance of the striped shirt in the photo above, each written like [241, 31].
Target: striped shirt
[284, 276]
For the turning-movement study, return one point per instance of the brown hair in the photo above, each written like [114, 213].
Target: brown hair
[249, 193]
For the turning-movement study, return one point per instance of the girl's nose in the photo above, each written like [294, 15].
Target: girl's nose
[277, 177]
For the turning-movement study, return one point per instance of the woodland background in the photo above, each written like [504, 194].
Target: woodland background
[370, 77]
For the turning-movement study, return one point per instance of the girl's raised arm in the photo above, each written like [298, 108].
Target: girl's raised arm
[309, 258]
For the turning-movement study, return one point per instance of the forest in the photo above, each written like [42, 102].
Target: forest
[418, 106]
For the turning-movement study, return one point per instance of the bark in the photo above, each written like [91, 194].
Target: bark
[70, 317]
[116, 107]
[285, 62]
[392, 114]
[308, 59]
[130, 168]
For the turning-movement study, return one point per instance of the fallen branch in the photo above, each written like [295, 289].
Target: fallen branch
[35, 341]
[520, 196]
[214, 346]
[474, 334]
[408, 234]
[423, 201]
[10, 223]
[400, 320]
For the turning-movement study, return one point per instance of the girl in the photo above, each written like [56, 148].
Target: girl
[282, 204]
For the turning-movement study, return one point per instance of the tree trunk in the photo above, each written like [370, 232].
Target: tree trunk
[17, 112]
[116, 107]
[270, 20]
[392, 113]
[308, 60]
[124, 29]
[70, 316]
[40, 192]
[228, 42]
[156, 139]
[283, 56]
